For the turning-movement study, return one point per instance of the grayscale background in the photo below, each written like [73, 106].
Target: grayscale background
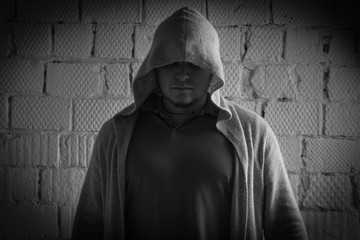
[66, 66]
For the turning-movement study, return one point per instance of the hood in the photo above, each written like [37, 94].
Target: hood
[185, 36]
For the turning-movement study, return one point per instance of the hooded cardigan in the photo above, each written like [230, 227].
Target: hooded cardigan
[263, 204]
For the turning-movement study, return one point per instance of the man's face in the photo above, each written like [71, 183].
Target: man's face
[183, 84]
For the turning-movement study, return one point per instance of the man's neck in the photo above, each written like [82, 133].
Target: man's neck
[173, 108]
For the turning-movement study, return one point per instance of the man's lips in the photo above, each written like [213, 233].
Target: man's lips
[181, 88]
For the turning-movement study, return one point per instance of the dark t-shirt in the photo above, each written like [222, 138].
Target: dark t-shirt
[178, 179]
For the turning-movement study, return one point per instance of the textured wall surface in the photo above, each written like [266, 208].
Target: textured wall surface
[67, 65]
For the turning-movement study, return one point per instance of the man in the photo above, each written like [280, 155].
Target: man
[182, 162]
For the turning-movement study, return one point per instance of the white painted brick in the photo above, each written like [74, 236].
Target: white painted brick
[66, 222]
[29, 221]
[143, 39]
[4, 39]
[265, 44]
[65, 146]
[2, 184]
[53, 143]
[4, 109]
[90, 141]
[291, 152]
[12, 150]
[39, 150]
[295, 181]
[300, 82]
[328, 192]
[309, 81]
[332, 225]
[67, 185]
[89, 115]
[41, 113]
[20, 75]
[73, 40]
[252, 81]
[112, 11]
[7, 9]
[303, 13]
[250, 105]
[24, 184]
[48, 11]
[45, 150]
[330, 155]
[230, 43]
[74, 150]
[342, 119]
[46, 184]
[32, 39]
[292, 118]
[135, 67]
[233, 12]
[278, 83]
[342, 48]
[114, 41]
[75, 79]
[232, 87]
[344, 84]
[117, 80]
[82, 150]
[157, 10]
[23, 150]
[303, 45]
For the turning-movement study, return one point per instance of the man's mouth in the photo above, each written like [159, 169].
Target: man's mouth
[181, 88]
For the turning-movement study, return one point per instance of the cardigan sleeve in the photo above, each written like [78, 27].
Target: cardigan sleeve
[88, 222]
[282, 217]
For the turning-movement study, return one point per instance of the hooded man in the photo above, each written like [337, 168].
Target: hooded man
[182, 162]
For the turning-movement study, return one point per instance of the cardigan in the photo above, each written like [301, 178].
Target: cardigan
[263, 203]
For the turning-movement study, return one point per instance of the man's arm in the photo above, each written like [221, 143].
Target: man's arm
[88, 223]
[282, 217]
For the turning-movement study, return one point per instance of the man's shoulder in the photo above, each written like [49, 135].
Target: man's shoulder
[249, 119]
[244, 114]
[108, 128]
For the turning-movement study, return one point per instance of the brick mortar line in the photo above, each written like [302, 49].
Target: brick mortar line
[79, 8]
[39, 196]
[72, 114]
[142, 10]
[13, 47]
[133, 42]
[52, 36]
[283, 44]
[246, 43]
[322, 119]
[131, 78]
[93, 39]
[206, 6]
[304, 174]
[271, 12]
[9, 99]
[45, 80]
[44, 132]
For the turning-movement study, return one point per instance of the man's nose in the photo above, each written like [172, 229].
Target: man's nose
[183, 72]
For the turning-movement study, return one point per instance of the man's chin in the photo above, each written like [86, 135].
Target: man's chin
[182, 103]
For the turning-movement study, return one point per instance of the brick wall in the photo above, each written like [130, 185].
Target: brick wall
[66, 66]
